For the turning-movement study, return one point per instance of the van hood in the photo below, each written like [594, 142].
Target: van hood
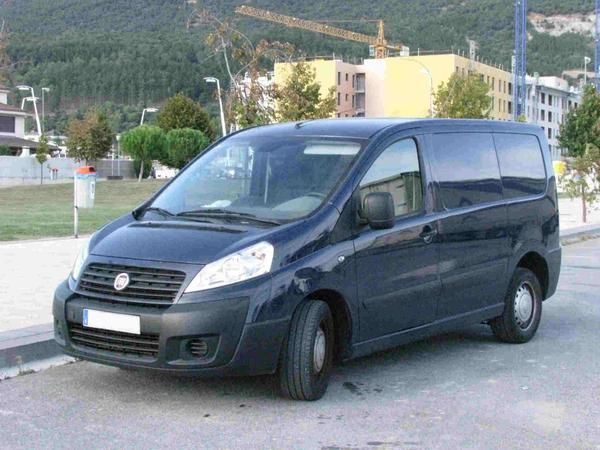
[173, 241]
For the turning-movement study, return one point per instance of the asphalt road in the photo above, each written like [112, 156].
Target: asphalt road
[460, 390]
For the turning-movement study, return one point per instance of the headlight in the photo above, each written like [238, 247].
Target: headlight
[249, 263]
[80, 260]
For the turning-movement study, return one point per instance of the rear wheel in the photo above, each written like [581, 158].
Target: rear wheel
[307, 355]
[522, 311]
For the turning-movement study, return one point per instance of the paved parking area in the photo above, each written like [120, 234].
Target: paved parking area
[460, 390]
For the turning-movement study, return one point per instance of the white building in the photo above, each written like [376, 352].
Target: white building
[12, 127]
[548, 101]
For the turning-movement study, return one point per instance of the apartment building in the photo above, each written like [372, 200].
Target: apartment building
[549, 99]
[332, 73]
[402, 86]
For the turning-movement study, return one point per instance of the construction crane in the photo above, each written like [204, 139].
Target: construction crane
[380, 45]
[520, 60]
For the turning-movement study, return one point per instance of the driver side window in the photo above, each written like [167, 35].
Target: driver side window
[396, 171]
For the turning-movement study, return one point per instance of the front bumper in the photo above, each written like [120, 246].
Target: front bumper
[234, 347]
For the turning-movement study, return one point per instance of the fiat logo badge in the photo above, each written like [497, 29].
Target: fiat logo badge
[121, 281]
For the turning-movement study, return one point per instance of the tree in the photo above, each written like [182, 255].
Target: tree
[144, 144]
[42, 155]
[584, 179]
[299, 98]
[463, 97]
[89, 138]
[183, 145]
[5, 150]
[582, 124]
[183, 112]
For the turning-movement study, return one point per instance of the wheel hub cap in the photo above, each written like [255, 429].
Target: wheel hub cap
[523, 305]
[319, 350]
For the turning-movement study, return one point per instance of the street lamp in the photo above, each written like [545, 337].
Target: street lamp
[216, 80]
[44, 89]
[586, 61]
[27, 99]
[23, 87]
[118, 137]
[144, 111]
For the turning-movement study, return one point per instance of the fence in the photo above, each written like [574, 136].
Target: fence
[16, 170]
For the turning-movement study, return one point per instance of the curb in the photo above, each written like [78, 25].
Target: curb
[578, 234]
[21, 348]
[26, 347]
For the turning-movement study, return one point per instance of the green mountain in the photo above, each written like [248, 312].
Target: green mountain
[121, 54]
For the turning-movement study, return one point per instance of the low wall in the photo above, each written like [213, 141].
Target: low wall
[15, 170]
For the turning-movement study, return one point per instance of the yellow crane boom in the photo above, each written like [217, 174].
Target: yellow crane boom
[378, 42]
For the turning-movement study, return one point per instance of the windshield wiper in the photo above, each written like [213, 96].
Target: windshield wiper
[161, 211]
[226, 214]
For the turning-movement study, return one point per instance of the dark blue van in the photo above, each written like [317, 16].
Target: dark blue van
[284, 248]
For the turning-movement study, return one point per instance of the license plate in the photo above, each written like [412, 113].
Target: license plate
[111, 321]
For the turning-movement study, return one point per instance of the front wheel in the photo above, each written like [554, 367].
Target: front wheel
[522, 311]
[307, 355]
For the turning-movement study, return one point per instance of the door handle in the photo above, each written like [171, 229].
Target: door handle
[428, 233]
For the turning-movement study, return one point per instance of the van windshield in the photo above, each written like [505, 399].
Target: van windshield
[271, 178]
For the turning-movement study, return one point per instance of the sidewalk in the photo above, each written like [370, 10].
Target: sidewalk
[31, 270]
[29, 273]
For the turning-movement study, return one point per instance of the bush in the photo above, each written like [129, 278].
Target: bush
[183, 145]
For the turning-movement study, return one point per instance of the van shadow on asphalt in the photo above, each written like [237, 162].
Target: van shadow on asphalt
[410, 361]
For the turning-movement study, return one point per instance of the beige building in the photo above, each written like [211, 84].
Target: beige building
[402, 86]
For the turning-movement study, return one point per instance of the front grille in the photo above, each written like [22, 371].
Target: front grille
[148, 286]
[140, 345]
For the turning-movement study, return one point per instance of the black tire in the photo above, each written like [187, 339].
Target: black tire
[300, 377]
[517, 324]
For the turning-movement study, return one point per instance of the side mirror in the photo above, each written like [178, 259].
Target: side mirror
[378, 209]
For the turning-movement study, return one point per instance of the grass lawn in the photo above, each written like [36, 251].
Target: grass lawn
[29, 212]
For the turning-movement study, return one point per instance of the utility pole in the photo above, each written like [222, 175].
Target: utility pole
[520, 66]
[597, 42]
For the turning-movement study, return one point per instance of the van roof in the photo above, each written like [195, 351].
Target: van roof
[360, 127]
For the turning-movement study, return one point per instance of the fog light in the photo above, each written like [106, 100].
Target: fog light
[198, 348]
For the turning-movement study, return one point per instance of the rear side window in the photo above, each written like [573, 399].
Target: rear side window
[466, 168]
[396, 171]
[521, 164]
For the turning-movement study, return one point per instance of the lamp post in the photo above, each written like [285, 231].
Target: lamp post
[23, 87]
[586, 61]
[216, 80]
[118, 155]
[144, 111]
[44, 89]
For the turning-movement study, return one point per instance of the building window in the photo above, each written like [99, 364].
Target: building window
[493, 83]
[549, 114]
[346, 97]
[339, 78]
[353, 80]
[543, 98]
[549, 133]
[510, 88]
[7, 124]
[488, 79]
[542, 112]
[346, 76]
[549, 100]
[339, 115]
[510, 107]
[353, 101]
[339, 99]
